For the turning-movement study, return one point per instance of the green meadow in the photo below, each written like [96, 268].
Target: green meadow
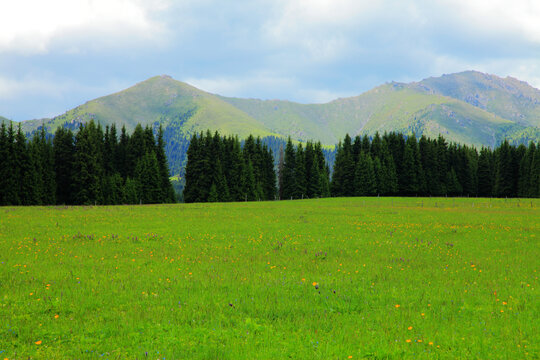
[346, 278]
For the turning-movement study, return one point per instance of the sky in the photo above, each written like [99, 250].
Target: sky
[58, 54]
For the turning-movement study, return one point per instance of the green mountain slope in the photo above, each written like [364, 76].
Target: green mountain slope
[161, 100]
[469, 107]
[390, 107]
[508, 98]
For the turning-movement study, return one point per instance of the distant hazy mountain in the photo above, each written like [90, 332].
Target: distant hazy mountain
[508, 98]
[468, 107]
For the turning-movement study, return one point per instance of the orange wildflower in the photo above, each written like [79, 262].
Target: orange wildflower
[38, 342]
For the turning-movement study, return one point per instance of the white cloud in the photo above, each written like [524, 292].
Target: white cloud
[320, 27]
[12, 88]
[241, 86]
[267, 86]
[30, 26]
[54, 89]
[518, 17]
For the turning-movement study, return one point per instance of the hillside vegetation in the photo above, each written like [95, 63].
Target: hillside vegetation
[469, 108]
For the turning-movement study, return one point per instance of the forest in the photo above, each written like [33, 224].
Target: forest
[224, 169]
[389, 165]
[90, 167]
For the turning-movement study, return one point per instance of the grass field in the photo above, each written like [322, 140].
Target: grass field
[377, 278]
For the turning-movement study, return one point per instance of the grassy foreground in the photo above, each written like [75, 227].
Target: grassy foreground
[330, 279]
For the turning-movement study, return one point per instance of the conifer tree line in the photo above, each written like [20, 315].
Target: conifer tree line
[89, 167]
[393, 164]
[303, 172]
[220, 169]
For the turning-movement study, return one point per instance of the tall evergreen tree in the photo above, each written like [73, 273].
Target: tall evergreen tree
[87, 168]
[324, 171]
[343, 177]
[249, 184]
[4, 164]
[485, 173]
[525, 171]
[504, 175]
[365, 182]
[289, 172]
[147, 173]
[63, 149]
[281, 163]
[300, 173]
[269, 174]
[166, 189]
[193, 170]
[123, 163]
[408, 180]
[534, 177]
[11, 194]
[28, 189]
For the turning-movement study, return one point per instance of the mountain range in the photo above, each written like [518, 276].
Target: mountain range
[468, 107]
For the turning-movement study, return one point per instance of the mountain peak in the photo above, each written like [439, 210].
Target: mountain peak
[468, 107]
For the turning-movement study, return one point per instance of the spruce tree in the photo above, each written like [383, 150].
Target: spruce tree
[87, 170]
[236, 171]
[344, 166]
[309, 167]
[281, 163]
[376, 146]
[289, 176]
[167, 194]
[534, 177]
[453, 187]
[122, 158]
[300, 173]
[324, 171]
[13, 176]
[36, 149]
[4, 169]
[147, 173]
[408, 180]
[504, 175]
[63, 149]
[220, 182]
[131, 191]
[349, 167]
[249, 185]
[389, 180]
[485, 173]
[378, 172]
[428, 158]
[269, 174]
[213, 195]
[136, 149]
[192, 171]
[365, 183]
[525, 171]
[28, 191]
[441, 164]
[314, 186]
[49, 175]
